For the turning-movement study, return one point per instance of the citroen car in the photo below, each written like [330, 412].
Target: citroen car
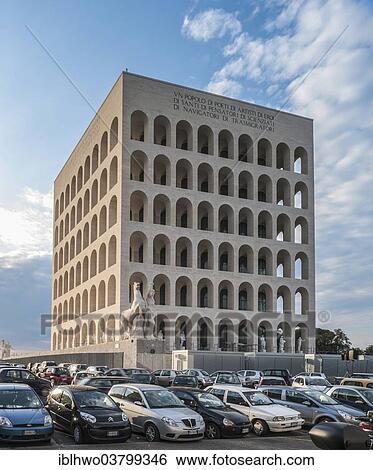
[87, 414]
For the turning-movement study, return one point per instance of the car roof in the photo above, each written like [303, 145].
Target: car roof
[355, 387]
[77, 388]
[232, 387]
[144, 387]
[12, 386]
[187, 389]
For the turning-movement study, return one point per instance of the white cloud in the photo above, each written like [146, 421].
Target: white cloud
[225, 87]
[338, 95]
[26, 229]
[213, 23]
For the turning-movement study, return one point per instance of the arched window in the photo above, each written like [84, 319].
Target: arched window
[184, 136]
[111, 297]
[205, 140]
[103, 147]
[113, 178]
[162, 131]
[225, 142]
[94, 158]
[103, 220]
[113, 211]
[112, 252]
[264, 152]
[103, 184]
[114, 133]
[139, 166]
[245, 148]
[139, 126]
[87, 169]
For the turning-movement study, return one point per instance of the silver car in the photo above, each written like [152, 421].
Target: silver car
[158, 413]
[314, 406]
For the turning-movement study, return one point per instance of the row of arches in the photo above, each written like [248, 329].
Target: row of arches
[223, 144]
[223, 257]
[204, 334]
[223, 296]
[90, 301]
[226, 183]
[205, 217]
[104, 220]
[96, 263]
[85, 171]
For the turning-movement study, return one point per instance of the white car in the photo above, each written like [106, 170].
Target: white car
[263, 413]
[250, 377]
[317, 383]
[310, 374]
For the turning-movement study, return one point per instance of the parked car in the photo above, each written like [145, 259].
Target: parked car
[220, 420]
[97, 370]
[13, 375]
[317, 383]
[23, 417]
[79, 376]
[185, 381]
[74, 368]
[19, 365]
[358, 382]
[139, 375]
[250, 378]
[158, 413]
[204, 378]
[165, 377]
[310, 374]
[265, 416]
[314, 406]
[4, 364]
[362, 375]
[104, 384]
[268, 380]
[87, 414]
[64, 365]
[284, 373]
[56, 375]
[225, 377]
[360, 398]
[44, 365]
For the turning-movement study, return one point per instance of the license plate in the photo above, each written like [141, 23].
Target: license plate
[294, 424]
[112, 433]
[193, 432]
[245, 430]
[30, 432]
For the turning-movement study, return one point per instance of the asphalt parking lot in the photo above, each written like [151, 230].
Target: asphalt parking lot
[298, 440]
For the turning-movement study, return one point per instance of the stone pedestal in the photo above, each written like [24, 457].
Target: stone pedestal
[141, 352]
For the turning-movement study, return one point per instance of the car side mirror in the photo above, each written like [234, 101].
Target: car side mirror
[138, 403]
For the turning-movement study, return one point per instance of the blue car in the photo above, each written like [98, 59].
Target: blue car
[23, 417]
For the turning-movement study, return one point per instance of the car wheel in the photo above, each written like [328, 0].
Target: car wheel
[212, 431]
[78, 435]
[151, 433]
[260, 427]
[325, 420]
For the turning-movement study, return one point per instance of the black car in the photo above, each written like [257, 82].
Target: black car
[16, 375]
[282, 373]
[185, 381]
[220, 419]
[88, 414]
[104, 384]
[139, 375]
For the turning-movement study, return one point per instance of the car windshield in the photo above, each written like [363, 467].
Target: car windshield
[368, 394]
[316, 381]
[208, 400]
[143, 378]
[162, 399]
[203, 372]
[228, 378]
[257, 398]
[185, 380]
[321, 397]
[58, 371]
[94, 399]
[19, 399]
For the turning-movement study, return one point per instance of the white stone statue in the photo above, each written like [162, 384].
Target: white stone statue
[139, 308]
[299, 344]
[182, 340]
[263, 343]
[160, 335]
[281, 344]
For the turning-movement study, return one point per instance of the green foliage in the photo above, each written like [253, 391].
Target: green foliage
[328, 341]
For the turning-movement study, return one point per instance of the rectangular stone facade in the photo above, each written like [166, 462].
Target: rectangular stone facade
[207, 199]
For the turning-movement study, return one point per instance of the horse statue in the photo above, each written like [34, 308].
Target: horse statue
[139, 310]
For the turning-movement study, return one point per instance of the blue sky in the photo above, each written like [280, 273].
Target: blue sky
[277, 53]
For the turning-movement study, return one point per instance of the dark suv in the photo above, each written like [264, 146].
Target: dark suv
[13, 375]
[282, 373]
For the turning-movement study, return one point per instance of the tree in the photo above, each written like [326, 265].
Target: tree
[328, 341]
[369, 349]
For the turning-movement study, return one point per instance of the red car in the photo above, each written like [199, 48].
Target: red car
[57, 376]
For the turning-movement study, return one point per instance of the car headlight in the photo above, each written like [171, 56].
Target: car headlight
[5, 422]
[169, 421]
[124, 417]
[88, 417]
[47, 420]
[345, 415]
[228, 422]
[279, 418]
[201, 421]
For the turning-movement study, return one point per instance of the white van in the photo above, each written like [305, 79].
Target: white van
[263, 413]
